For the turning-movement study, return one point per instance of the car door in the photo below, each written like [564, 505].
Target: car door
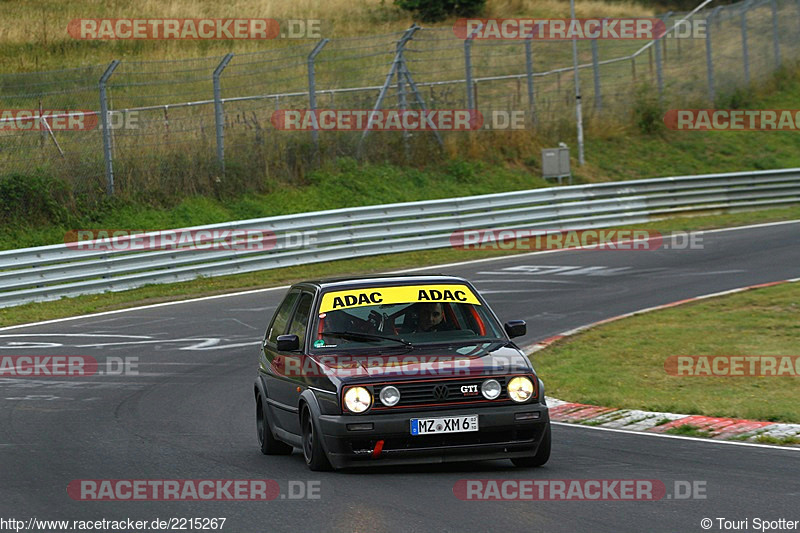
[273, 365]
[293, 364]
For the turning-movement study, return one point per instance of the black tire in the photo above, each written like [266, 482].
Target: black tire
[315, 456]
[542, 454]
[266, 440]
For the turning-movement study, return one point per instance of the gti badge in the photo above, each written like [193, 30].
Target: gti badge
[469, 390]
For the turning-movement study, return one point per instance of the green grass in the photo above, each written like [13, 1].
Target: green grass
[39, 220]
[622, 364]
[383, 263]
[782, 441]
[37, 209]
[688, 430]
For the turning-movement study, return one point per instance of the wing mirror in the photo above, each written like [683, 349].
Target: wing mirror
[514, 328]
[288, 343]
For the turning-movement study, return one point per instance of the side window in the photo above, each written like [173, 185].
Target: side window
[282, 317]
[300, 319]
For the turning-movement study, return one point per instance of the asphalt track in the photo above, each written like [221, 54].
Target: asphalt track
[189, 411]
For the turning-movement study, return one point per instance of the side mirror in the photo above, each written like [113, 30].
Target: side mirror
[288, 343]
[514, 328]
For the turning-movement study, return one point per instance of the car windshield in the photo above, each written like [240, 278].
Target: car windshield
[401, 317]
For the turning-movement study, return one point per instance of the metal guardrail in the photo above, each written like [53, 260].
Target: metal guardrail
[51, 272]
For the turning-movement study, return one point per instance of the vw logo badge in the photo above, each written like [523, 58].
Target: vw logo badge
[440, 392]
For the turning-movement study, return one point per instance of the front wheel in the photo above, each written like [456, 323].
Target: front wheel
[315, 457]
[542, 454]
[268, 443]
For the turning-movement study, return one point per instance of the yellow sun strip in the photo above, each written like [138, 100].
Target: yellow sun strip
[333, 301]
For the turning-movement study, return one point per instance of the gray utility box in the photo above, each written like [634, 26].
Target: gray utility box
[555, 163]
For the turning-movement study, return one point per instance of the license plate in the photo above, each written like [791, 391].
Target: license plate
[450, 424]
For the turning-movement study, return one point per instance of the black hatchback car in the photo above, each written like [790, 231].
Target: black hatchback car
[395, 370]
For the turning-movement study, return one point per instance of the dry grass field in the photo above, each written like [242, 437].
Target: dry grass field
[33, 33]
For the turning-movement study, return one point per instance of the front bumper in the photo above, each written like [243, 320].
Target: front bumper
[500, 436]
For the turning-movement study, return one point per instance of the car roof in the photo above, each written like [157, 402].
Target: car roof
[382, 279]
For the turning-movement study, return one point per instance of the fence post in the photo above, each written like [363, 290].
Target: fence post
[578, 96]
[776, 43]
[106, 129]
[397, 62]
[659, 68]
[468, 66]
[664, 47]
[598, 95]
[312, 89]
[219, 117]
[745, 52]
[710, 56]
[529, 75]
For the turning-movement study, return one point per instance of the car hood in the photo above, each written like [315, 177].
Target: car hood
[462, 361]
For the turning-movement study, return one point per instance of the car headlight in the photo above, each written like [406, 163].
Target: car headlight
[390, 396]
[357, 399]
[491, 389]
[520, 389]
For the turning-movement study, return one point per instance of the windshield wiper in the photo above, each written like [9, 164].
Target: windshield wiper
[458, 342]
[366, 336]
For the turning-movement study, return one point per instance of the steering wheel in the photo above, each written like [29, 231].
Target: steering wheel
[377, 320]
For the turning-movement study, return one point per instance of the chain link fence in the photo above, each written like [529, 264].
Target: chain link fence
[198, 125]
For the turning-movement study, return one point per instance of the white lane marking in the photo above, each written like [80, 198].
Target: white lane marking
[140, 307]
[716, 273]
[482, 291]
[28, 345]
[39, 345]
[75, 335]
[521, 280]
[240, 322]
[404, 271]
[197, 343]
[556, 270]
[681, 437]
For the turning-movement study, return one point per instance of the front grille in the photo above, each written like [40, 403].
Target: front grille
[438, 392]
[397, 443]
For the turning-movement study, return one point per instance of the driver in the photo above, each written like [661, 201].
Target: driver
[431, 318]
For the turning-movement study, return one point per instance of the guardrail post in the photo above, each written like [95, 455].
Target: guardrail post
[598, 95]
[468, 66]
[745, 52]
[776, 43]
[219, 117]
[312, 89]
[106, 127]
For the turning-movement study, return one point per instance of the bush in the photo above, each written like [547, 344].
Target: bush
[438, 10]
[34, 198]
[648, 111]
